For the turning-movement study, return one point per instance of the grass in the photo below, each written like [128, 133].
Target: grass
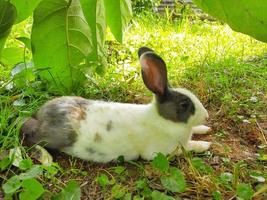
[227, 71]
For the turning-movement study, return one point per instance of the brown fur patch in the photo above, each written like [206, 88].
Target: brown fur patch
[97, 138]
[79, 113]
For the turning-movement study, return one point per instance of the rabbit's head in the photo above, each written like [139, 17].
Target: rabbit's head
[175, 104]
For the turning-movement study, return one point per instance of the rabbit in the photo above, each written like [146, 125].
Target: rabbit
[101, 131]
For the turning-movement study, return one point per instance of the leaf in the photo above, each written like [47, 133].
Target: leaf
[32, 189]
[94, 12]
[217, 195]
[61, 41]
[156, 195]
[161, 163]
[118, 15]
[117, 191]
[25, 164]
[103, 180]
[8, 15]
[175, 182]
[35, 171]
[245, 16]
[26, 41]
[24, 8]
[244, 191]
[140, 184]
[23, 74]
[12, 185]
[71, 192]
[201, 166]
[12, 56]
[5, 163]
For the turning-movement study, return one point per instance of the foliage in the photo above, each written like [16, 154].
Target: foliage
[67, 38]
[142, 6]
[225, 69]
[246, 16]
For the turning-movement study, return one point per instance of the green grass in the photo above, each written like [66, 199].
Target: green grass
[227, 70]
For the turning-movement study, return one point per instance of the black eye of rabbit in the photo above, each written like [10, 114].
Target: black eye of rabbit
[184, 105]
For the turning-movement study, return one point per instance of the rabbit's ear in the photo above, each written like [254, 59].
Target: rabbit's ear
[154, 73]
[143, 50]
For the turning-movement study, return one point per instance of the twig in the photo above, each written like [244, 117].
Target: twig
[262, 132]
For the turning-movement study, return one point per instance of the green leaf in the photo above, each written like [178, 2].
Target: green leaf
[4, 163]
[245, 16]
[35, 171]
[201, 166]
[12, 185]
[24, 8]
[175, 182]
[22, 74]
[244, 191]
[12, 56]
[26, 41]
[61, 41]
[140, 184]
[118, 14]
[71, 192]
[25, 164]
[217, 195]
[8, 15]
[117, 191]
[32, 189]
[94, 12]
[103, 180]
[156, 195]
[161, 163]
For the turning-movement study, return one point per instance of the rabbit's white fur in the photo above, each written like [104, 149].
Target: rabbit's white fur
[113, 129]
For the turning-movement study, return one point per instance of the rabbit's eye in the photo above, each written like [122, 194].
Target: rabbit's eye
[184, 104]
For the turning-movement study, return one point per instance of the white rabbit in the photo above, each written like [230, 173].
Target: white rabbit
[103, 131]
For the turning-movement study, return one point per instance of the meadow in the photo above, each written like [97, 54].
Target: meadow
[225, 69]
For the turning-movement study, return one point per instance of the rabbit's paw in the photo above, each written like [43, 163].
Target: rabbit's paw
[198, 146]
[201, 129]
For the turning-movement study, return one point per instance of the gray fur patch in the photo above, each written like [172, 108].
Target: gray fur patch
[59, 119]
[90, 150]
[109, 125]
[175, 106]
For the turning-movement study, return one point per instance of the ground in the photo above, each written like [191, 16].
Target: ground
[225, 69]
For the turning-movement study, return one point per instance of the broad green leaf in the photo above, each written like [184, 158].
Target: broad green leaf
[71, 192]
[12, 185]
[35, 171]
[24, 8]
[25, 164]
[118, 15]
[7, 18]
[245, 16]
[244, 191]
[175, 182]
[12, 56]
[32, 189]
[26, 41]
[156, 195]
[61, 41]
[94, 12]
[161, 163]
